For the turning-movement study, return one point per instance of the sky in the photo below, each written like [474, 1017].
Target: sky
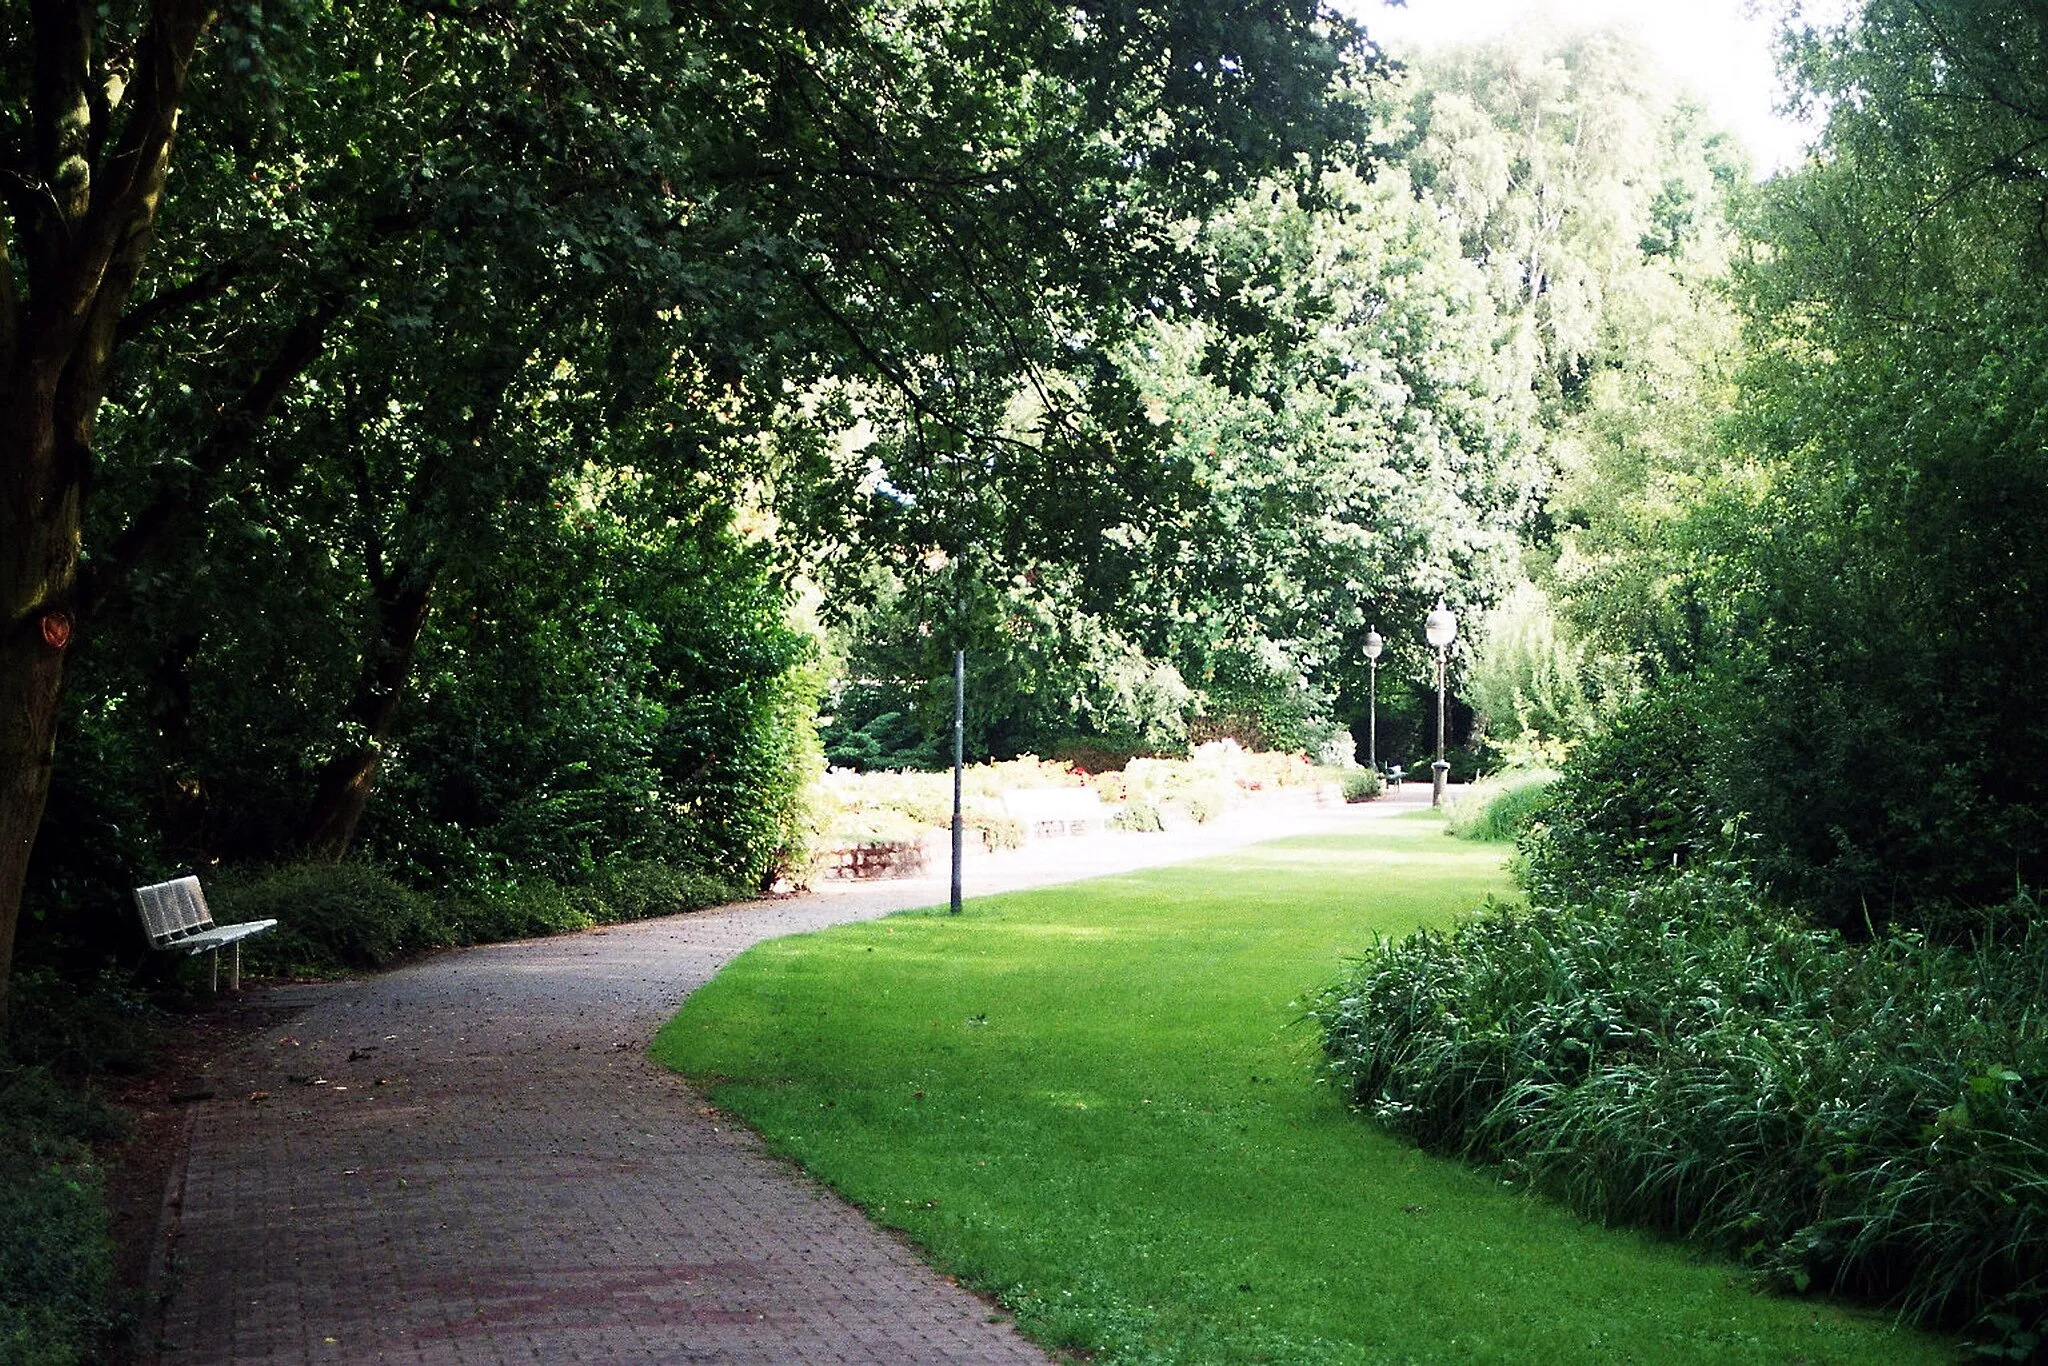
[1713, 46]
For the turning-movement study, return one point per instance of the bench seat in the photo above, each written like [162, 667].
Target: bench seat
[175, 917]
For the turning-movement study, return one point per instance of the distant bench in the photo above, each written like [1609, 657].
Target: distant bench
[175, 917]
[1047, 811]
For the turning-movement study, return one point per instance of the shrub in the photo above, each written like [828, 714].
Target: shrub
[995, 831]
[1361, 784]
[1111, 787]
[332, 917]
[1136, 814]
[1091, 754]
[1205, 801]
[637, 889]
[1871, 1118]
[1632, 803]
[891, 807]
[527, 908]
[881, 826]
[56, 1257]
[1276, 768]
[338, 918]
[622, 890]
[1499, 809]
[102, 1025]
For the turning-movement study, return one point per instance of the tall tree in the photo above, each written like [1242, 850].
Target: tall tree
[1360, 441]
[1500, 352]
[86, 132]
[1596, 198]
[776, 196]
[1891, 610]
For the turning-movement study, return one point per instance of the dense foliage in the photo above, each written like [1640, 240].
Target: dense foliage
[421, 456]
[1851, 660]
[347, 917]
[1779, 989]
[1501, 808]
[1487, 355]
[483, 382]
[1901, 326]
[414, 421]
[56, 1259]
[1865, 1118]
[57, 1301]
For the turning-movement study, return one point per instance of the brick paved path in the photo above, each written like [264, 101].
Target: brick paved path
[471, 1159]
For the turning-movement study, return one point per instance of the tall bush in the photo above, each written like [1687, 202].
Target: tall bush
[1865, 1118]
[1637, 801]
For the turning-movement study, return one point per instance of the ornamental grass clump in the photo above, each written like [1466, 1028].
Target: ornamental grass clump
[1867, 1118]
[1361, 784]
[1499, 809]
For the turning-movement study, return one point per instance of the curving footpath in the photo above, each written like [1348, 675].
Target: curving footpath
[471, 1159]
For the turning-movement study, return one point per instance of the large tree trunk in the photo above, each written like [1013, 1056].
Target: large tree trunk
[345, 782]
[402, 595]
[38, 565]
[81, 201]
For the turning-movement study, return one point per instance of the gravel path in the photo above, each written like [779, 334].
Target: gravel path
[471, 1159]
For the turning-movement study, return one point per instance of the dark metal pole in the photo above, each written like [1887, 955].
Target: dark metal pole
[1440, 767]
[959, 757]
[1372, 725]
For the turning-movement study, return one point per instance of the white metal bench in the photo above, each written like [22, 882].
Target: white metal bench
[1056, 810]
[175, 917]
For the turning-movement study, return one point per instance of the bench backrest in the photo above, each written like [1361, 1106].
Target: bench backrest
[173, 910]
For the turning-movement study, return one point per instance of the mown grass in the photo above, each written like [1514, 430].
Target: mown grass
[1095, 1102]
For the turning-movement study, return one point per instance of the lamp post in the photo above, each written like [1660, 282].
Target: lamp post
[959, 755]
[1373, 645]
[937, 561]
[1442, 629]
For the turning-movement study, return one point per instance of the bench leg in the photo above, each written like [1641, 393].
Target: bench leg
[235, 969]
[214, 958]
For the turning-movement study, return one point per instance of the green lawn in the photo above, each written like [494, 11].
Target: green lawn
[1096, 1103]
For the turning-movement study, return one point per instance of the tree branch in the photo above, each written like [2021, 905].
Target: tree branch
[106, 236]
[208, 284]
[1962, 62]
[60, 108]
[232, 436]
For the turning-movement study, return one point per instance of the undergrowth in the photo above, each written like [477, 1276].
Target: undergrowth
[57, 1300]
[1867, 1118]
[1498, 809]
[56, 1259]
[338, 918]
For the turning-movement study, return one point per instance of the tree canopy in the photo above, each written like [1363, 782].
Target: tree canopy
[1496, 353]
[317, 321]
